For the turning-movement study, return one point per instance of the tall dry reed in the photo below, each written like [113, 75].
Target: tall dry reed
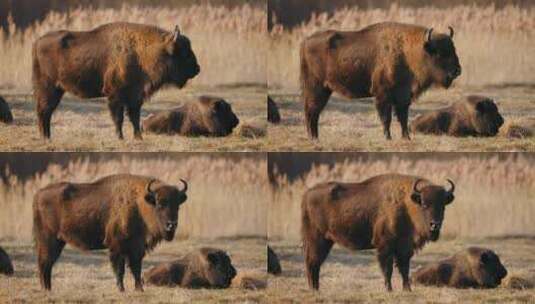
[226, 197]
[493, 197]
[230, 43]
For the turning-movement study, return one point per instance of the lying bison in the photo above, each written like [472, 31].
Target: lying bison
[207, 116]
[471, 268]
[5, 112]
[124, 62]
[274, 266]
[396, 214]
[6, 267]
[473, 116]
[127, 214]
[274, 116]
[205, 268]
[393, 62]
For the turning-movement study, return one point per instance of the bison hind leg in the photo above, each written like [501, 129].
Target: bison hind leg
[316, 249]
[48, 253]
[48, 98]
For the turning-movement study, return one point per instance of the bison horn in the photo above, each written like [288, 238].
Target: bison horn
[452, 186]
[429, 34]
[176, 33]
[415, 189]
[152, 181]
[451, 32]
[185, 185]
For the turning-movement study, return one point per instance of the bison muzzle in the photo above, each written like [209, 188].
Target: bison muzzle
[124, 62]
[393, 62]
[127, 214]
[396, 214]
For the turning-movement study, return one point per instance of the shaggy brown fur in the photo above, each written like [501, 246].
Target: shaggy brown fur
[471, 268]
[396, 214]
[127, 214]
[274, 267]
[124, 62]
[6, 267]
[273, 111]
[207, 116]
[205, 268]
[393, 62]
[5, 112]
[473, 116]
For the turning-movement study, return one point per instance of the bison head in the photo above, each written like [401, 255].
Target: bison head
[433, 200]
[486, 119]
[489, 271]
[219, 270]
[445, 65]
[221, 120]
[166, 201]
[181, 61]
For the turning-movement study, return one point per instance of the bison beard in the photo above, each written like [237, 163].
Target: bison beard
[471, 268]
[205, 268]
[473, 116]
[124, 62]
[393, 62]
[127, 214]
[207, 116]
[396, 214]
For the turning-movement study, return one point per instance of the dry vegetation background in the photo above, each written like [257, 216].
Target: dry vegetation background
[226, 208]
[495, 47]
[230, 44]
[493, 207]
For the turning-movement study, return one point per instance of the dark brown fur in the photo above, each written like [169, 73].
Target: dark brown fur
[274, 266]
[385, 212]
[207, 116]
[473, 116]
[127, 214]
[205, 268]
[6, 267]
[273, 111]
[124, 62]
[392, 61]
[5, 112]
[471, 268]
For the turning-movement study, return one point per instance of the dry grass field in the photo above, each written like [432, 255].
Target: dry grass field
[229, 44]
[226, 208]
[495, 49]
[493, 207]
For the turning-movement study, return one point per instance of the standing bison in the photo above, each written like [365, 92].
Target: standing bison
[127, 214]
[124, 62]
[471, 268]
[207, 116]
[473, 116]
[396, 214]
[393, 62]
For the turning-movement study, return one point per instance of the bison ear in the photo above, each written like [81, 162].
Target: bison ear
[337, 191]
[150, 198]
[334, 39]
[417, 198]
[449, 198]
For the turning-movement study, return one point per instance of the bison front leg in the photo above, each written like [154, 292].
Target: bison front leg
[403, 264]
[402, 113]
[117, 264]
[134, 112]
[315, 100]
[135, 267]
[384, 109]
[386, 261]
[117, 115]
